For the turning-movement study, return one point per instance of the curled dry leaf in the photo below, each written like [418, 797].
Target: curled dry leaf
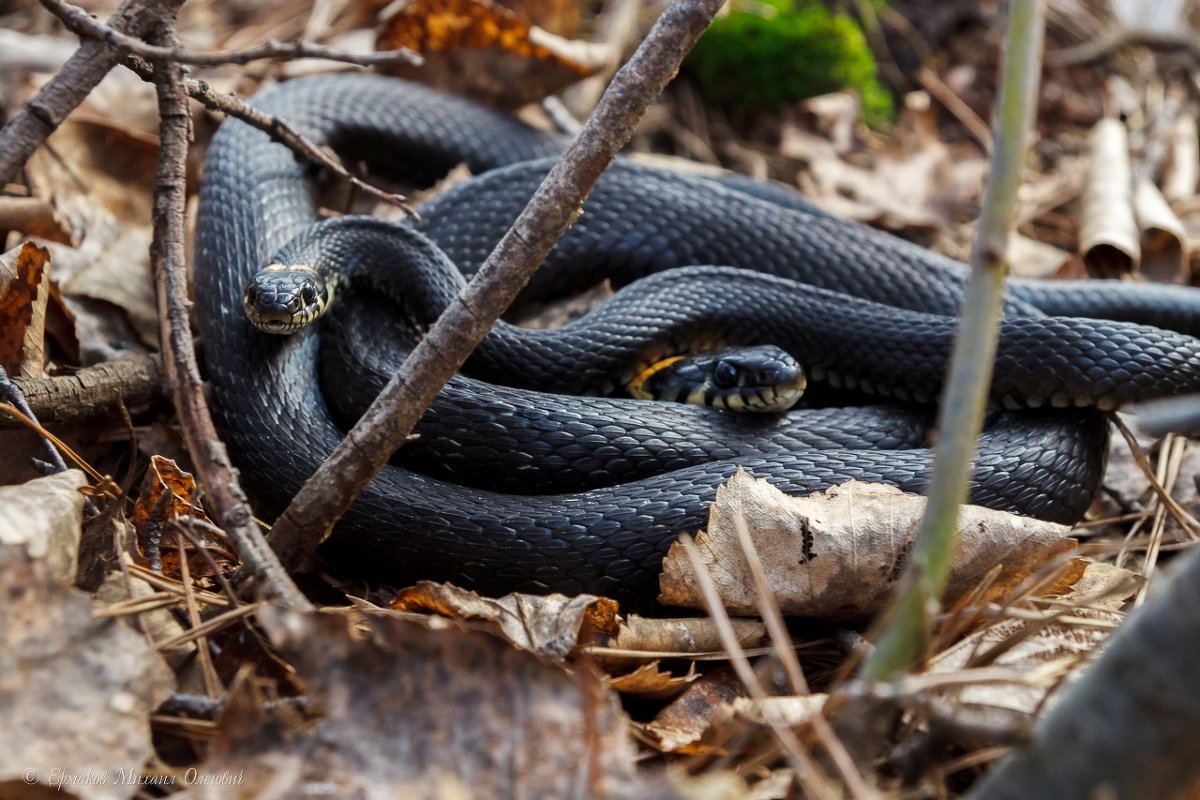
[485, 51]
[22, 280]
[550, 626]
[1108, 233]
[837, 554]
[742, 723]
[666, 638]
[77, 691]
[1040, 651]
[680, 727]
[43, 517]
[651, 682]
[1164, 243]
[406, 711]
[683, 636]
[167, 494]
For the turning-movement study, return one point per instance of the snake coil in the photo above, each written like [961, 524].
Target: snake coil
[611, 482]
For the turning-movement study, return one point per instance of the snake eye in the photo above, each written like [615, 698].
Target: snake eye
[725, 375]
[308, 294]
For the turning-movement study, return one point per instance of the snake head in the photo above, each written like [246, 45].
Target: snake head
[760, 379]
[283, 298]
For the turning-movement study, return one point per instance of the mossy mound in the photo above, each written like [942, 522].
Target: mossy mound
[782, 51]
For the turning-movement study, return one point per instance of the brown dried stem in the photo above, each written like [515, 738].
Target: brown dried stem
[85, 26]
[93, 390]
[167, 258]
[389, 420]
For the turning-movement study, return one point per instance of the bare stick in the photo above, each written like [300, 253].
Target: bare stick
[38, 118]
[179, 355]
[555, 204]
[93, 390]
[85, 26]
[278, 129]
[905, 628]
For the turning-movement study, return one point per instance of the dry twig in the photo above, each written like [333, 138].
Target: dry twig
[92, 390]
[179, 355]
[278, 129]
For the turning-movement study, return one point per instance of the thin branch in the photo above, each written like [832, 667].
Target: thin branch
[93, 390]
[278, 129]
[10, 392]
[38, 118]
[179, 355]
[85, 26]
[389, 420]
[905, 628]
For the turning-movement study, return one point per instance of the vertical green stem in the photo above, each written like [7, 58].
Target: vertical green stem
[905, 627]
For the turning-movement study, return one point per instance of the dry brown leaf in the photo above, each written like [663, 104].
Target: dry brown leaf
[837, 554]
[915, 186]
[1164, 244]
[651, 682]
[99, 179]
[746, 721]
[405, 711]
[44, 517]
[551, 625]
[485, 51]
[24, 288]
[77, 691]
[1029, 258]
[168, 493]
[1108, 233]
[679, 727]
[1049, 650]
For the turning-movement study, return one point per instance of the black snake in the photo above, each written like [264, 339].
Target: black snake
[859, 308]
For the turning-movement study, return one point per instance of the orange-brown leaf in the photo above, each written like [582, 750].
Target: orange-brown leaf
[20, 278]
[477, 48]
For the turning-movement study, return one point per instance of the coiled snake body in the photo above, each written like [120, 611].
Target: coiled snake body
[871, 313]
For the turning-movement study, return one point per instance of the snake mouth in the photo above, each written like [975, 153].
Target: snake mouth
[277, 325]
[770, 399]
[788, 393]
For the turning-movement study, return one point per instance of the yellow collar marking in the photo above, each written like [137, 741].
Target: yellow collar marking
[637, 386]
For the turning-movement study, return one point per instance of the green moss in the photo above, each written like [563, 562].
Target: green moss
[784, 51]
